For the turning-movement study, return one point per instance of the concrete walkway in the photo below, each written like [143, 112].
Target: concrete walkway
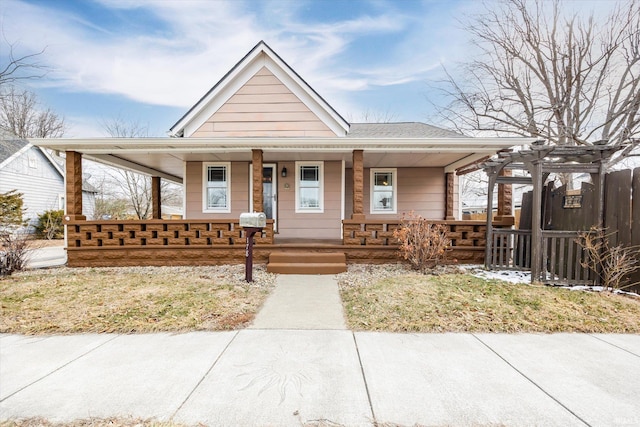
[302, 302]
[325, 377]
[52, 256]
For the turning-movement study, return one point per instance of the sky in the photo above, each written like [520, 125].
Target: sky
[150, 61]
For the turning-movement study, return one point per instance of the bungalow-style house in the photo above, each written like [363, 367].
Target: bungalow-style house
[39, 176]
[262, 139]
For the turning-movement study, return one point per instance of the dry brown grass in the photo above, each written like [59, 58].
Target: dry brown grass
[464, 303]
[127, 300]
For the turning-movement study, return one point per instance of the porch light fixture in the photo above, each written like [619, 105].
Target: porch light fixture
[284, 172]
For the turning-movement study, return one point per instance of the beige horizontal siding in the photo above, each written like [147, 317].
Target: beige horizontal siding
[264, 106]
[275, 98]
[324, 225]
[194, 191]
[419, 189]
[268, 116]
[267, 126]
[263, 90]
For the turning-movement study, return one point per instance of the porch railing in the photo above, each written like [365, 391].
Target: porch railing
[463, 234]
[510, 249]
[161, 233]
[561, 261]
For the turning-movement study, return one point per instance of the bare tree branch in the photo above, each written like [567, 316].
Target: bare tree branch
[14, 68]
[546, 74]
[21, 115]
[135, 186]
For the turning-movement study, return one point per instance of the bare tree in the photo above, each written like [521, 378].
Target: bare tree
[137, 187]
[371, 116]
[22, 115]
[544, 73]
[14, 68]
[119, 127]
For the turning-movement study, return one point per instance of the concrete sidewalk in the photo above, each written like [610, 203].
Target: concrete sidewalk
[299, 377]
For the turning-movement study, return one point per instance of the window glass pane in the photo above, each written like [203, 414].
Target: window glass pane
[309, 187]
[217, 174]
[382, 197]
[217, 187]
[383, 200]
[217, 197]
[309, 198]
[309, 173]
[383, 179]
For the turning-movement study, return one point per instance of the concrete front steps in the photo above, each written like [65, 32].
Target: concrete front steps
[307, 263]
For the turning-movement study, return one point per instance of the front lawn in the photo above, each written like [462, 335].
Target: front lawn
[132, 299]
[388, 298]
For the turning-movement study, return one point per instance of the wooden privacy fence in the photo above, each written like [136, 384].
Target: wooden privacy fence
[622, 212]
[563, 259]
[564, 215]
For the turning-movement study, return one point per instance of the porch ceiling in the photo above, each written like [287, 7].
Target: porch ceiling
[165, 157]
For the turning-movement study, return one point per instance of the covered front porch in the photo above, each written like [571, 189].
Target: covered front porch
[347, 225]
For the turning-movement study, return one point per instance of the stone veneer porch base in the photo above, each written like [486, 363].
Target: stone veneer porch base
[119, 256]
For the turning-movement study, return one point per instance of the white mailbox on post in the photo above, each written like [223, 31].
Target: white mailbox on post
[253, 220]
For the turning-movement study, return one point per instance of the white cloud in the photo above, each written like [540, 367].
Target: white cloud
[197, 42]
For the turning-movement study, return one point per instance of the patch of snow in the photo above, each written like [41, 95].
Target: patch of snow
[512, 276]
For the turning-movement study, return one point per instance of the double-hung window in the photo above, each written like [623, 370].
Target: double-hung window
[309, 187]
[217, 184]
[384, 191]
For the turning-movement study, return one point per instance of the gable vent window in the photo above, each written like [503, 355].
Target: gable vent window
[217, 194]
[32, 161]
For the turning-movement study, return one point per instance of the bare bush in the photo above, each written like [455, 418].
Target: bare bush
[422, 243]
[14, 251]
[612, 264]
[14, 240]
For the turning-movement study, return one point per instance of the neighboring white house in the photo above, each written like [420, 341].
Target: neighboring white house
[36, 174]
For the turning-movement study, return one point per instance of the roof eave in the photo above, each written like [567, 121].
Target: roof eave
[105, 145]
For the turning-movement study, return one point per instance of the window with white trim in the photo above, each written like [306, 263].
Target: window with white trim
[383, 191]
[309, 187]
[217, 187]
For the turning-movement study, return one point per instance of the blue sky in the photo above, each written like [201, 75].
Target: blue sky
[150, 61]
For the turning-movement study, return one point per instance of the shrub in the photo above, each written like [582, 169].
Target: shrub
[50, 225]
[422, 243]
[14, 244]
[14, 251]
[613, 265]
[11, 209]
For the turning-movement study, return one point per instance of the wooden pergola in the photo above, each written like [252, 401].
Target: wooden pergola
[540, 160]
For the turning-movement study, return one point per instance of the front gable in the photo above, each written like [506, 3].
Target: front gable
[261, 97]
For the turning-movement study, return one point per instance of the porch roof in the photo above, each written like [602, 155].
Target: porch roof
[165, 157]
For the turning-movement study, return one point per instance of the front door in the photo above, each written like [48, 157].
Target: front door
[269, 192]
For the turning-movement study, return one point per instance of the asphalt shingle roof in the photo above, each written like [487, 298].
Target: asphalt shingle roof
[399, 130]
[9, 145]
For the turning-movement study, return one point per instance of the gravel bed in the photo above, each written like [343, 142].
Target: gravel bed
[360, 275]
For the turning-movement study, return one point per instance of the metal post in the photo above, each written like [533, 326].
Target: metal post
[248, 264]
